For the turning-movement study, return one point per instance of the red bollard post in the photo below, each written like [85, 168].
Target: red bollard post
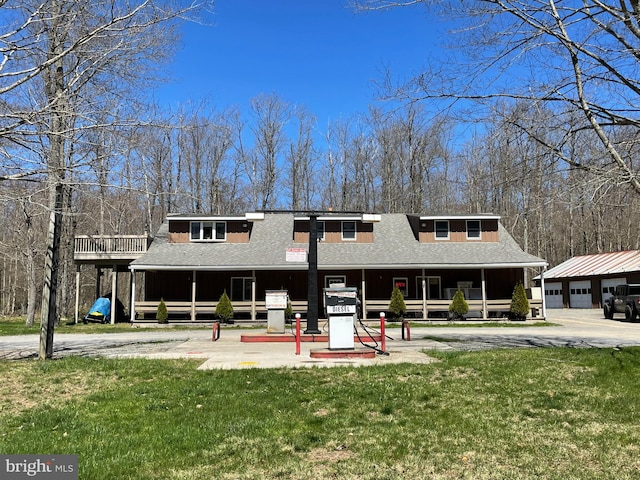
[297, 334]
[215, 331]
[383, 336]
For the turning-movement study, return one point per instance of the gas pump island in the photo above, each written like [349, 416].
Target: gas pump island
[341, 306]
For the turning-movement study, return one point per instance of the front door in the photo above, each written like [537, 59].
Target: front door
[434, 291]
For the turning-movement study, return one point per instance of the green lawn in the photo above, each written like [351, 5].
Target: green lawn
[16, 326]
[500, 414]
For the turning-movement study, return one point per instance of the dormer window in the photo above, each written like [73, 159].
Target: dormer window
[208, 231]
[348, 230]
[473, 229]
[442, 229]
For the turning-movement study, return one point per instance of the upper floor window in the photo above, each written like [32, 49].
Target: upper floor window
[208, 231]
[442, 229]
[348, 230]
[473, 229]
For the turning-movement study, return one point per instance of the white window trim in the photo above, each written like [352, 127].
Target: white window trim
[435, 230]
[479, 237]
[213, 232]
[355, 231]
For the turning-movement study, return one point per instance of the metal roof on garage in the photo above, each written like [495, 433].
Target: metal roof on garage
[599, 264]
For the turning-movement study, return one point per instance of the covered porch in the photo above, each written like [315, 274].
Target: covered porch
[192, 295]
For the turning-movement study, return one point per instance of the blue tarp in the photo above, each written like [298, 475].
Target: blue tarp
[100, 310]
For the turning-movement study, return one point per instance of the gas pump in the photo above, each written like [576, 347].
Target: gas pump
[276, 303]
[341, 308]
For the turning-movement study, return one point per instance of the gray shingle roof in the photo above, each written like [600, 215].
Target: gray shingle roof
[395, 246]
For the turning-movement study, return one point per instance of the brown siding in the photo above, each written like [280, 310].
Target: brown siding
[178, 232]
[178, 237]
[238, 232]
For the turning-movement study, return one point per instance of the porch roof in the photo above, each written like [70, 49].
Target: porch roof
[395, 246]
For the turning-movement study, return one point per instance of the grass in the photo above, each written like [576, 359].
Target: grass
[16, 326]
[499, 414]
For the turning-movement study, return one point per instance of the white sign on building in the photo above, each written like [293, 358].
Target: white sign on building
[296, 255]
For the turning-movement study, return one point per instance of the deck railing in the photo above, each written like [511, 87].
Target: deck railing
[185, 309]
[88, 247]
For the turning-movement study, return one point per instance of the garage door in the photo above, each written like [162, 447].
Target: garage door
[580, 294]
[553, 295]
[609, 285]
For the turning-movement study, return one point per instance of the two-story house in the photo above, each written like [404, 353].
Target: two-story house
[194, 258]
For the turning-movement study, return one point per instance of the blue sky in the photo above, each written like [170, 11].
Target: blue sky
[319, 53]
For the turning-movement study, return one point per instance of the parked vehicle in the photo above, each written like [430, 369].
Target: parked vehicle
[625, 299]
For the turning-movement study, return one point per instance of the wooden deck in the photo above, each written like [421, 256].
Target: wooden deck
[90, 248]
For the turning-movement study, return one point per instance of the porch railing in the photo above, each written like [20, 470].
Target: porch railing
[495, 308]
[96, 247]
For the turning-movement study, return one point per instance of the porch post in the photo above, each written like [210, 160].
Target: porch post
[484, 294]
[544, 297]
[132, 305]
[193, 296]
[98, 276]
[364, 296]
[253, 295]
[114, 293]
[424, 296]
[77, 291]
[132, 295]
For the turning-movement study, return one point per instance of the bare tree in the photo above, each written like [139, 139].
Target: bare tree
[62, 61]
[569, 56]
[204, 142]
[301, 161]
[270, 115]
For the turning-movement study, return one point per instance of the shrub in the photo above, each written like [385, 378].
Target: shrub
[519, 303]
[162, 315]
[459, 306]
[224, 309]
[288, 312]
[397, 306]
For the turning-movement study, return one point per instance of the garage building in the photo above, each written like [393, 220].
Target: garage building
[586, 281]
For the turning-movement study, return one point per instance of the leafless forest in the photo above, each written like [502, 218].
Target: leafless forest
[84, 153]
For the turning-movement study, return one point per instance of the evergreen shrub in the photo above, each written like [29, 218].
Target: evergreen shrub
[397, 306]
[162, 315]
[459, 306]
[224, 309]
[519, 303]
